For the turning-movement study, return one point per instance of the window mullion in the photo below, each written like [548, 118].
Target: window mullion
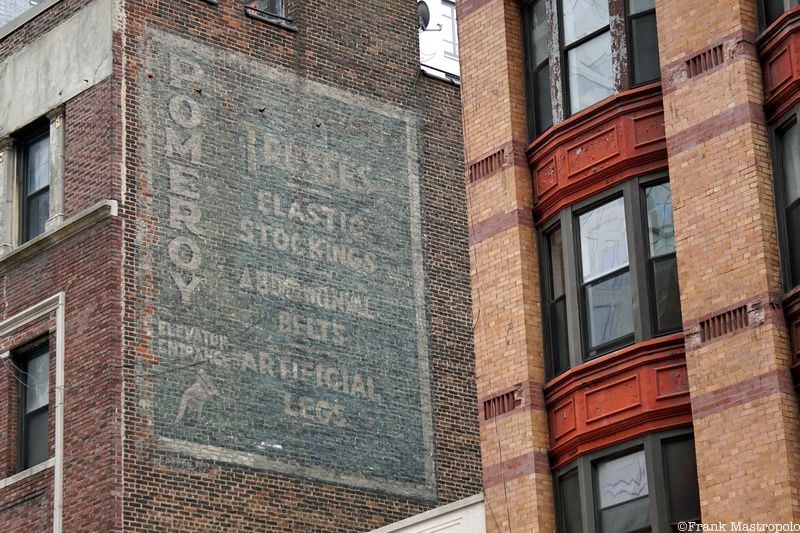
[642, 327]
[555, 60]
[619, 44]
[586, 484]
[659, 516]
[571, 288]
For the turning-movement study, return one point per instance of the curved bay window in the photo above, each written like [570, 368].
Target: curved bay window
[648, 484]
[770, 10]
[609, 273]
[587, 54]
[787, 196]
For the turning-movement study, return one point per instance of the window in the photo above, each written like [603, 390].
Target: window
[631, 487]
[609, 273]
[32, 181]
[643, 42]
[586, 41]
[34, 390]
[34, 186]
[273, 11]
[11, 9]
[786, 163]
[540, 108]
[771, 10]
[449, 29]
[592, 67]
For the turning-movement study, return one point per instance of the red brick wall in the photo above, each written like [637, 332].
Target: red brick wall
[91, 162]
[86, 267]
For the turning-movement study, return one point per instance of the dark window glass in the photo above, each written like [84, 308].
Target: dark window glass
[35, 188]
[544, 106]
[623, 494]
[570, 503]
[540, 108]
[666, 294]
[644, 49]
[681, 475]
[793, 229]
[558, 303]
[560, 348]
[34, 400]
[556, 253]
[790, 163]
[640, 6]
[663, 266]
[607, 297]
[773, 9]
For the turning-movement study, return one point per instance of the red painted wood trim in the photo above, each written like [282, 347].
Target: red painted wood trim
[499, 223]
[634, 391]
[516, 467]
[791, 310]
[613, 141]
[779, 50]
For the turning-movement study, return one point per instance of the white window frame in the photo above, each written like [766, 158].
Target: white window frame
[10, 209]
[8, 326]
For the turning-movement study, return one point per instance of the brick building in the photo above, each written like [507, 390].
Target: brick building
[632, 185]
[235, 271]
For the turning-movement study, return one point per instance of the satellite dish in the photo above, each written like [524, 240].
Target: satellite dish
[424, 14]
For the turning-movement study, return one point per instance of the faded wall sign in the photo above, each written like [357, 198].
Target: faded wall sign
[287, 273]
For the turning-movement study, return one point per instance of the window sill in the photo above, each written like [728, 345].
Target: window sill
[16, 23]
[275, 20]
[85, 219]
[25, 474]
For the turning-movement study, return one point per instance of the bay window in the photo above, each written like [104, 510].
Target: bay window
[786, 165]
[589, 53]
[648, 484]
[609, 273]
[770, 10]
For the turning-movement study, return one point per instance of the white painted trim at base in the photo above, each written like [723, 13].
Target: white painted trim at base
[25, 474]
[75, 224]
[20, 20]
[433, 513]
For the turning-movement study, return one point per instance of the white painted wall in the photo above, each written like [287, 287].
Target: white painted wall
[438, 45]
[463, 516]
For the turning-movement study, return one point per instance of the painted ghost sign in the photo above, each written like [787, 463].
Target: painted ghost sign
[286, 263]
